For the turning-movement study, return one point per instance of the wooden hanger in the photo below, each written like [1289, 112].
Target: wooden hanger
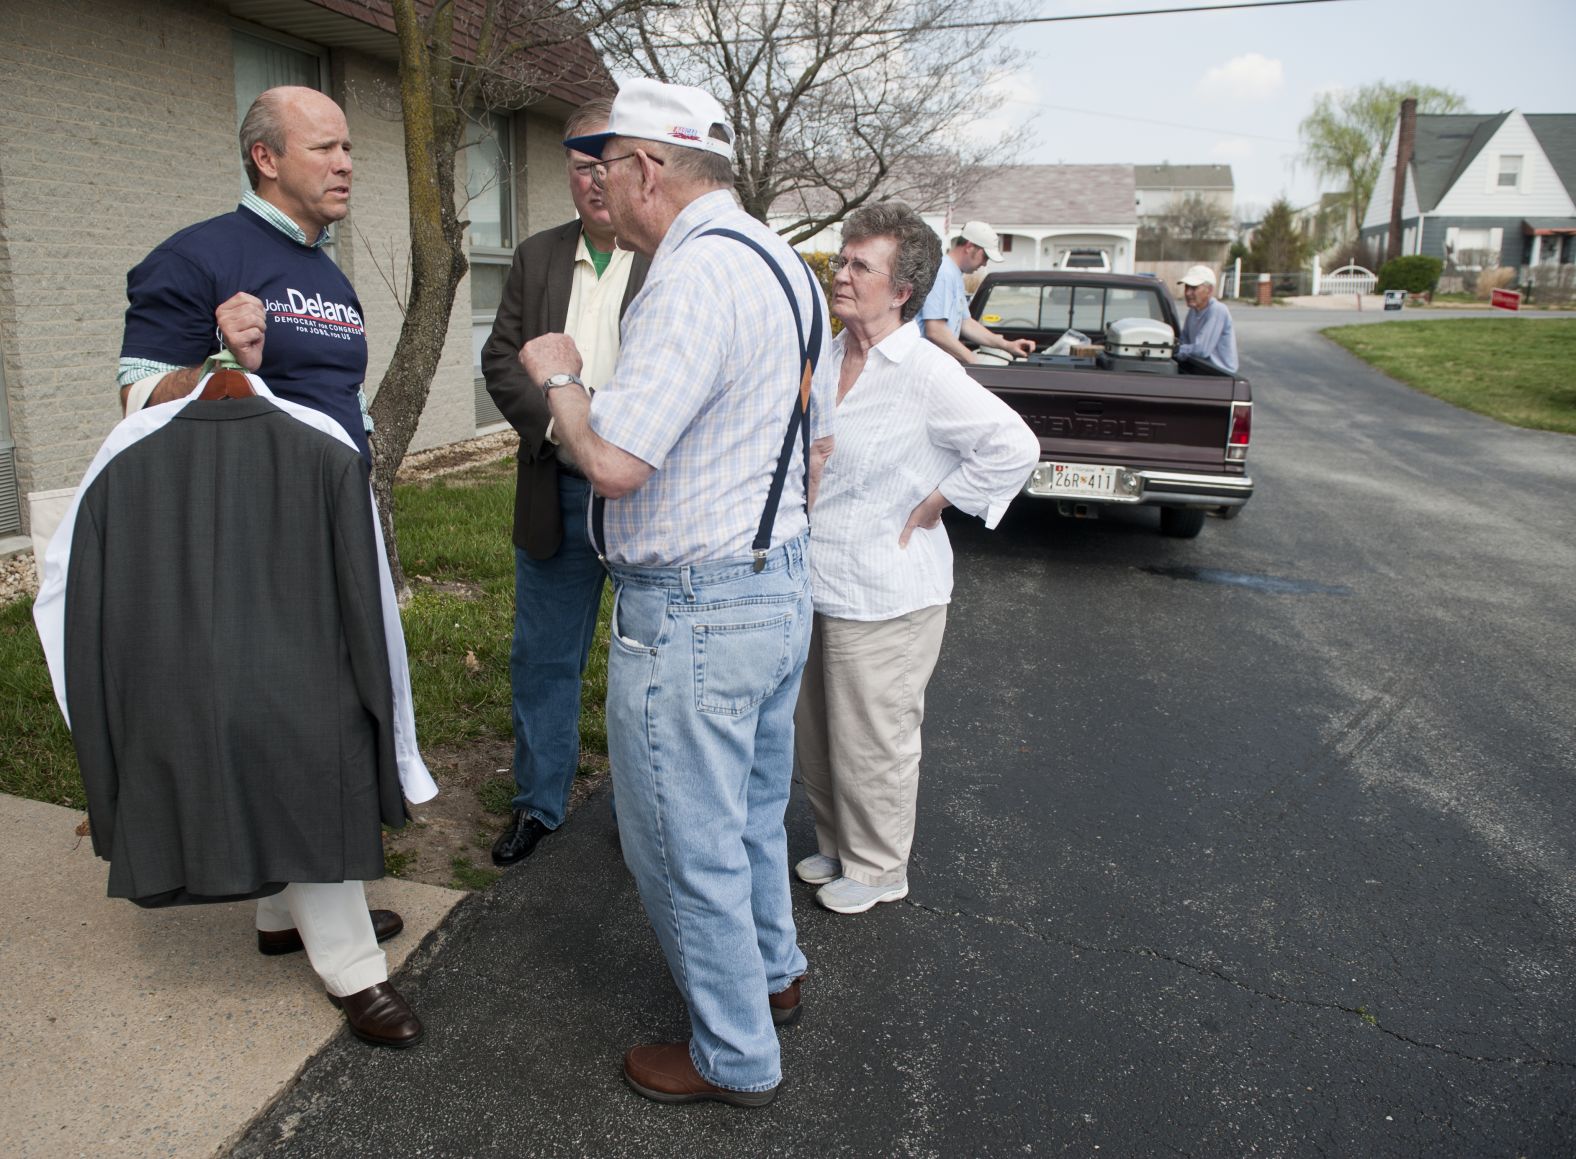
[227, 384]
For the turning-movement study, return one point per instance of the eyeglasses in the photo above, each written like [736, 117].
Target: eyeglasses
[599, 170]
[859, 266]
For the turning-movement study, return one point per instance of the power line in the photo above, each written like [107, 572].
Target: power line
[1012, 22]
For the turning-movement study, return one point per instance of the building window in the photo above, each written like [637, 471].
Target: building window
[489, 206]
[1510, 170]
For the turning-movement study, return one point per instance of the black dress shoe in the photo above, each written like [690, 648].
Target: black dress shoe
[380, 1016]
[385, 924]
[517, 841]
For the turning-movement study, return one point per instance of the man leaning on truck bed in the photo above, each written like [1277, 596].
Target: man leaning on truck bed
[1207, 333]
[945, 315]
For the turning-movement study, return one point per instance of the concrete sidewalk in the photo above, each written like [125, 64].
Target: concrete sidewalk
[147, 1032]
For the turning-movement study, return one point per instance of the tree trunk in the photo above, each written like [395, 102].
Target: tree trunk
[432, 129]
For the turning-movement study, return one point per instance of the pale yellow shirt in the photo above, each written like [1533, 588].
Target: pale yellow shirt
[593, 317]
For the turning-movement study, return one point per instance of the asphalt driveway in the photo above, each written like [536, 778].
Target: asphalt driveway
[1262, 843]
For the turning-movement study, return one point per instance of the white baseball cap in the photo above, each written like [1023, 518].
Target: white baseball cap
[983, 236]
[673, 114]
[1199, 276]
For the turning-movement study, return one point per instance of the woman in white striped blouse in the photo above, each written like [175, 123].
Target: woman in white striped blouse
[915, 434]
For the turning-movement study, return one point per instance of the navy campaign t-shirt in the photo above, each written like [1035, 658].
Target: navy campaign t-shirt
[315, 347]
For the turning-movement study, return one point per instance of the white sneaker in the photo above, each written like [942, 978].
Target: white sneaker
[818, 869]
[844, 896]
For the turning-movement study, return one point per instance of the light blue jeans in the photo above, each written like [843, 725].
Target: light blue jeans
[703, 674]
[555, 607]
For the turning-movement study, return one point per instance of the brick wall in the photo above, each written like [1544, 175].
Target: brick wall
[542, 185]
[118, 129]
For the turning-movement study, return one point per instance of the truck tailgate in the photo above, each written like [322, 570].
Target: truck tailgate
[1169, 422]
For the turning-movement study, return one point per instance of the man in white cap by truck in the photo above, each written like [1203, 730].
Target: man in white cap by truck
[1207, 333]
[944, 318]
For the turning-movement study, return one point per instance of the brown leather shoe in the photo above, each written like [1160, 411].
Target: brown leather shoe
[380, 1016]
[385, 924]
[663, 1071]
[785, 1004]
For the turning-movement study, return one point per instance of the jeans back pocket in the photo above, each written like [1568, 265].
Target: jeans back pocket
[737, 666]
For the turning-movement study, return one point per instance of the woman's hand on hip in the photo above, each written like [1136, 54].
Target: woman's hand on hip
[926, 515]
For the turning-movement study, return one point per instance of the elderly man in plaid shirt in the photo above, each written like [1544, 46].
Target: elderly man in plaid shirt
[706, 445]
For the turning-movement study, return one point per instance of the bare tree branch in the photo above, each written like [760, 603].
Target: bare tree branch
[835, 102]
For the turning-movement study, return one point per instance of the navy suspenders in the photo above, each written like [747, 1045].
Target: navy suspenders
[798, 420]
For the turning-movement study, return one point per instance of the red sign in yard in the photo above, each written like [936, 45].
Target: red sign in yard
[1505, 299]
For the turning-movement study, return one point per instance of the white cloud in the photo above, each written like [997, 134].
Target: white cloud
[1232, 149]
[1015, 87]
[1005, 101]
[1252, 77]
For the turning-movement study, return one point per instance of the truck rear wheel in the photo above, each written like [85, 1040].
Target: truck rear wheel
[1181, 522]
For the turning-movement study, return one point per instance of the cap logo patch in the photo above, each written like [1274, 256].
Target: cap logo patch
[684, 133]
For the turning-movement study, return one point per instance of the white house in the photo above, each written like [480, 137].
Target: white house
[1042, 212]
[1483, 190]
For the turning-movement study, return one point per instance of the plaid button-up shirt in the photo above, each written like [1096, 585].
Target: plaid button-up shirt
[707, 376]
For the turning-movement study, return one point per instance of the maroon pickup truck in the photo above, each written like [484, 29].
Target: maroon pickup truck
[1131, 424]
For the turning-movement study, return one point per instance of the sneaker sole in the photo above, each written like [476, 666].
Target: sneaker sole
[814, 879]
[786, 1017]
[897, 894]
[731, 1098]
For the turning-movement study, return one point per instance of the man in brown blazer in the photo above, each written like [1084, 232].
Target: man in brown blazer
[571, 279]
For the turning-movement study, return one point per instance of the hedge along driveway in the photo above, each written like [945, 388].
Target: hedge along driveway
[1520, 371]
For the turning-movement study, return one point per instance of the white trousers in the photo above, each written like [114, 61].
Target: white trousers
[336, 929]
[856, 736]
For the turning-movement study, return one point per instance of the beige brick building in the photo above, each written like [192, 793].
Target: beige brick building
[118, 123]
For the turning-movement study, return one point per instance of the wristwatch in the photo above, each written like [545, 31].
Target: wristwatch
[561, 379]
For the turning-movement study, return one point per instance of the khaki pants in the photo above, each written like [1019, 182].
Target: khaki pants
[856, 742]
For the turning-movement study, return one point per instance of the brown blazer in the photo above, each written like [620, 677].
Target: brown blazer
[536, 301]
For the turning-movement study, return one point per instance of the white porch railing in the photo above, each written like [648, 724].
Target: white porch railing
[1347, 280]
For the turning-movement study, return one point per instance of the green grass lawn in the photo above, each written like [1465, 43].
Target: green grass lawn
[454, 543]
[1517, 370]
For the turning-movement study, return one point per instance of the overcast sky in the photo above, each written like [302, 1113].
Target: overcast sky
[1230, 87]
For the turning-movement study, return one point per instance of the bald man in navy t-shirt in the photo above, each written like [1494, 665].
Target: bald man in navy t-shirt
[258, 282]
[258, 279]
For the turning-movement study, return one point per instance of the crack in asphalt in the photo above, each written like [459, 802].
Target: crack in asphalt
[1211, 972]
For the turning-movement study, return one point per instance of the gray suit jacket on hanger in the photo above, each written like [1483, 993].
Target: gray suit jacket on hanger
[226, 668]
[535, 302]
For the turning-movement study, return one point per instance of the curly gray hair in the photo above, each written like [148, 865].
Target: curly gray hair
[918, 247]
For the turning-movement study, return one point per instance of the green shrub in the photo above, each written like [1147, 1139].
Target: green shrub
[1416, 274]
[820, 264]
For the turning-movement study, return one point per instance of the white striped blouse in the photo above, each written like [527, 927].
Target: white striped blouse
[912, 422]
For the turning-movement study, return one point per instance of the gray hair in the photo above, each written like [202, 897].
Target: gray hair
[590, 117]
[918, 247]
[264, 122]
[697, 166]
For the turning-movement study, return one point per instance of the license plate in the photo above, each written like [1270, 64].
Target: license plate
[1081, 479]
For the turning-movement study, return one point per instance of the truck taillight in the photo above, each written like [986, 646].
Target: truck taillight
[1240, 431]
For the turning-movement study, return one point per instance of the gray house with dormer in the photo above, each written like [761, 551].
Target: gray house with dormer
[1482, 191]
